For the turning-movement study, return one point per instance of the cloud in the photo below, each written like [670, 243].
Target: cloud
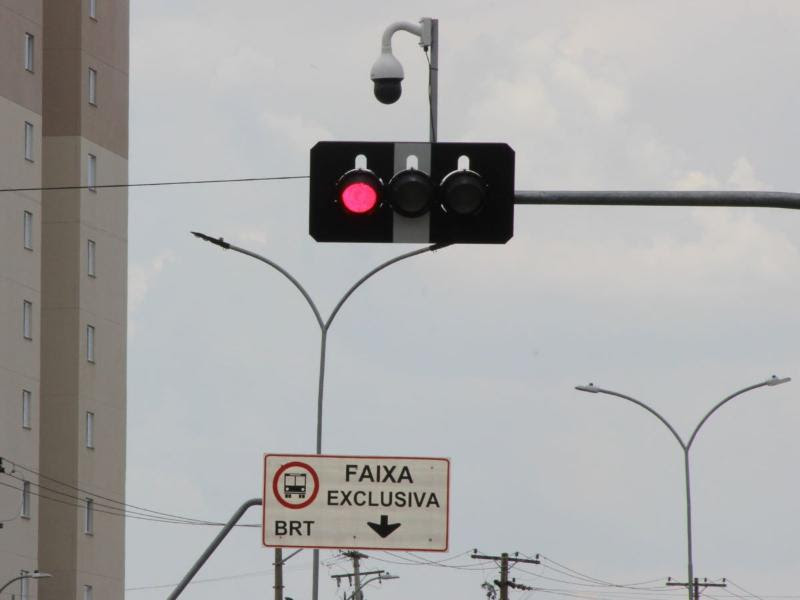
[697, 180]
[606, 99]
[299, 131]
[742, 178]
[252, 237]
[141, 278]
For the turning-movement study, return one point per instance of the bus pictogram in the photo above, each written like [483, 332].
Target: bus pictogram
[294, 484]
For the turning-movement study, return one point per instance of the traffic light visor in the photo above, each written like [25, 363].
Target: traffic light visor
[359, 191]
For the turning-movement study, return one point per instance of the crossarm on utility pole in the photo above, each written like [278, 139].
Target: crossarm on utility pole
[659, 198]
[213, 546]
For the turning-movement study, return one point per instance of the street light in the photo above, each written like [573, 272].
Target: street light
[324, 326]
[31, 575]
[358, 594]
[685, 446]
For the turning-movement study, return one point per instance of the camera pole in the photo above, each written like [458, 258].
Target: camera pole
[430, 42]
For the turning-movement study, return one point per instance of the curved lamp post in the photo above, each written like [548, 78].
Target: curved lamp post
[358, 594]
[324, 326]
[685, 446]
[33, 575]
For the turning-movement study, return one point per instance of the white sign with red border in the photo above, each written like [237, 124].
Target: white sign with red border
[356, 502]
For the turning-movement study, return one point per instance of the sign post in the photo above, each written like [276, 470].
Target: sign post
[356, 502]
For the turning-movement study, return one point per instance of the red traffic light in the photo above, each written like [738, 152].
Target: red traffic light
[359, 191]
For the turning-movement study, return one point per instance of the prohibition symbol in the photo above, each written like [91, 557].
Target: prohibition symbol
[295, 485]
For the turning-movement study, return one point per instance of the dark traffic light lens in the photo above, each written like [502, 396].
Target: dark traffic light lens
[411, 193]
[359, 191]
[463, 193]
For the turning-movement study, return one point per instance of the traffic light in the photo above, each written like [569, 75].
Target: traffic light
[411, 192]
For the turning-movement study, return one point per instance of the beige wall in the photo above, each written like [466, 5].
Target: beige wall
[20, 280]
[71, 384]
[69, 51]
[73, 299]
[53, 276]
[16, 84]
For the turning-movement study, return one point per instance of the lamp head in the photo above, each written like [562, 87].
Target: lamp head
[387, 75]
[775, 380]
[588, 388]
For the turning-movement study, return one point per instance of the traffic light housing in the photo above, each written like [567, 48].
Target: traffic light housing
[411, 192]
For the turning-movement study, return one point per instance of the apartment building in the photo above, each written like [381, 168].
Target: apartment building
[63, 289]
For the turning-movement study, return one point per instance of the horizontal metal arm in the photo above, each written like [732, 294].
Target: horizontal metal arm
[652, 198]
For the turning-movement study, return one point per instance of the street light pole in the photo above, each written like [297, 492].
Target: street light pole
[685, 446]
[324, 326]
[357, 593]
[32, 575]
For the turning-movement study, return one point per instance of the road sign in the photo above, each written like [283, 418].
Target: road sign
[356, 502]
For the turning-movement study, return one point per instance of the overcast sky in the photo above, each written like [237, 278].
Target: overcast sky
[473, 353]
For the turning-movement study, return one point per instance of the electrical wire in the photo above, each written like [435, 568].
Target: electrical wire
[420, 561]
[151, 184]
[208, 580]
[595, 579]
[117, 510]
[585, 584]
[434, 132]
[16, 516]
[444, 560]
[118, 513]
[124, 506]
[757, 596]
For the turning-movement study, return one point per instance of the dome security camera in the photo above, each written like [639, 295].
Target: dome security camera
[387, 74]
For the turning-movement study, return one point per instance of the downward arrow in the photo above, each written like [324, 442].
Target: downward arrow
[383, 529]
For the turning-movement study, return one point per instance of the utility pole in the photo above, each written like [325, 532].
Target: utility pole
[356, 556]
[503, 583]
[355, 576]
[278, 574]
[696, 585]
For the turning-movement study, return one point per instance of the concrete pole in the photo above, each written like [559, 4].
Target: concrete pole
[357, 575]
[504, 576]
[278, 574]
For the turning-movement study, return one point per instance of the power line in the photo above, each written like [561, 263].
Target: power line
[569, 572]
[117, 512]
[209, 580]
[151, 184]
[125, 507]
[15, 465]
[429, 563]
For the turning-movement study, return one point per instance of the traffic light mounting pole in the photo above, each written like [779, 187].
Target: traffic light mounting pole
[324, 326]
[660, 198]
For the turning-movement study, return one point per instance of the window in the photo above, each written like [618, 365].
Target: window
[27, 318]
[90, 430]
[26, 409]
[29, 141]
[29, 52]
[90, 256]
[93, 9]
[88, 517]
[88, 592]
[90, 343]
[25, 512]
[27, 230]
[92, 86]
[91, 173]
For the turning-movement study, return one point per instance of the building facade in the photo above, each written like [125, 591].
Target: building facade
[63, 290]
